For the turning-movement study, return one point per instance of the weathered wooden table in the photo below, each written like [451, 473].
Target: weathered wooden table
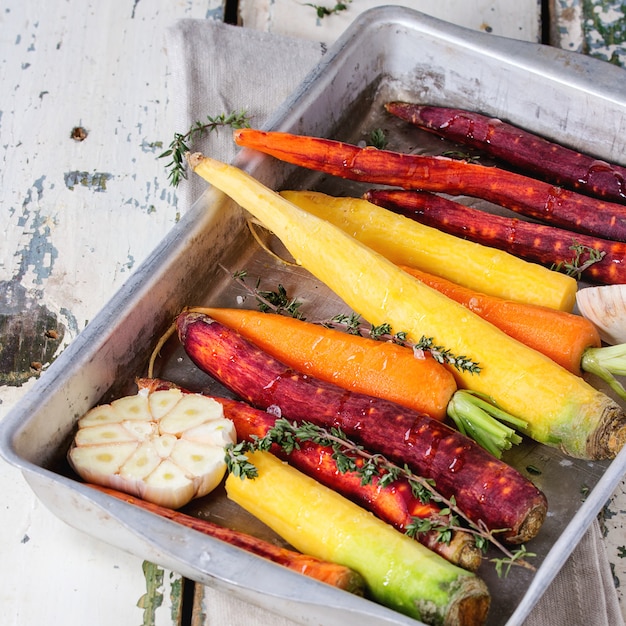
[85, 111]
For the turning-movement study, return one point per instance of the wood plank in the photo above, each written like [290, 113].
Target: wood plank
[78, 216]
[596, 28]
[508, 18]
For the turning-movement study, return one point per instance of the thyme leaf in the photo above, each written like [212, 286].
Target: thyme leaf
[179, 146]
[584, 257]
[322, 11]
[279, 302]
[352, 457]
[460, 155]
[503, 566]
[378, 139]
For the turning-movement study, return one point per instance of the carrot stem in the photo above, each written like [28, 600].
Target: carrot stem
[606, 363]
[482, 421]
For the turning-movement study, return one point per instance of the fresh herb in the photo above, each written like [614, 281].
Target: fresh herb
[237, 462]
[180, 144]
[322, 11]
[503, 566]
[378, 139]
[459, 155]
[584, 257]
[442, 355]
[279, 302]
[352, 457]
[621, 552]
[531, 469]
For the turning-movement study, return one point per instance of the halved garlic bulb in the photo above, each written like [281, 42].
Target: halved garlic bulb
[165, 446]
[605, 307]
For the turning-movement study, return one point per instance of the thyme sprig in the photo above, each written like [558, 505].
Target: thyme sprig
[279, 302]
[323, 11]
[377, 139]
[584, 257]
[352, 457]
[180, 144]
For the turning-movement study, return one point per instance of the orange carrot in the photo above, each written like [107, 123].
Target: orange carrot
[329, 573]
[375, 368]
[530, 197]
[562, 336]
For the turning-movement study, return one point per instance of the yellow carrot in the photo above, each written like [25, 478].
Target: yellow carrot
[406, 242]
[398, 571]
[562, 336]
[560, 408]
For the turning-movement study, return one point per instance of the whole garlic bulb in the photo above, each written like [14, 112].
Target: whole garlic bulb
[166, 447]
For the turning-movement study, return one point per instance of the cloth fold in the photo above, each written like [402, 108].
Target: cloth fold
[216, 68]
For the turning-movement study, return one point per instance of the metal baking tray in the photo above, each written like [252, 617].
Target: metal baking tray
[388, 53]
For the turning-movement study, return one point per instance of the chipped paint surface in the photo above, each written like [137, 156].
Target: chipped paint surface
[593, 27]
[517, 20]
[84, 110]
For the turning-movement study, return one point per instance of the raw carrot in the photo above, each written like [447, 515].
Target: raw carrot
[562, 336]
[569, 339]
[542, 328]
[408, 376]
[541, 243]
[399, 573]
[330, 573]
[376, 368]
[486, 489]
[560, 409]
[532, 198]
[519, 148]
[406, 242]
[394, 503]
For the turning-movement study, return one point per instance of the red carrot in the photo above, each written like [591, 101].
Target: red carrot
[527, 196]
[486, 489]
[535, 242]
[394, 503]
[520, 149]
[376, 368]
[330, 573]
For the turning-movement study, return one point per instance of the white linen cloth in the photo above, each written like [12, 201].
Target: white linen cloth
[218, 68]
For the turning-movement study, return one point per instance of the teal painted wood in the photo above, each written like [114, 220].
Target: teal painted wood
[604, 30]
[593, 27]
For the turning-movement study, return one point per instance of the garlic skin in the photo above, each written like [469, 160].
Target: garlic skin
[605, 307]
[165, 446]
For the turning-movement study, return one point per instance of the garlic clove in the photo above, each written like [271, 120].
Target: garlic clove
[133, 407]
[97, 462]
[162, 402]
[169, 485]
[605, 307]
[165, 446]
